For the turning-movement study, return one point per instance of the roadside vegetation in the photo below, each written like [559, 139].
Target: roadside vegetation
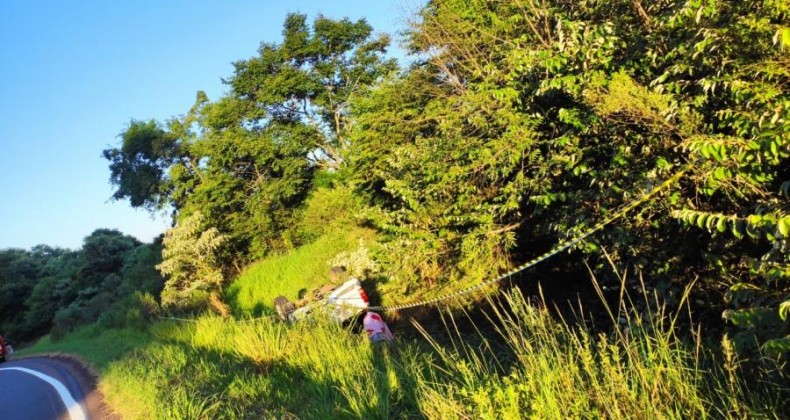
[517, 125]
[532, 366]
[291, 275]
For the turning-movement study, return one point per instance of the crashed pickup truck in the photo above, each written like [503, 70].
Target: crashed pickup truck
[341, 303]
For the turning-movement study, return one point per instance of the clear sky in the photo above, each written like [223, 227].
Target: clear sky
[74, 73]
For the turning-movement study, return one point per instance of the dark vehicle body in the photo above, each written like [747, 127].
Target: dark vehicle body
[3, 349]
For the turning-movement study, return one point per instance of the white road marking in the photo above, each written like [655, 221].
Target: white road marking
[75, 409]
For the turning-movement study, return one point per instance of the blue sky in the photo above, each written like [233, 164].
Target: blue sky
[74, 73]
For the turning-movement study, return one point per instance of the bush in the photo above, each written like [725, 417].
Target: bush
[190, 264]
[67, 319]
[327, 209]
[136, 311]
[357, 263]
[139, 269]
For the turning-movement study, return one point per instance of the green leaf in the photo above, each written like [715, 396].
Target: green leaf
[783, 225]
[785, 37]
[737, 229]
[784, 310]
[711, 221]
[721, 226]
[777, 346]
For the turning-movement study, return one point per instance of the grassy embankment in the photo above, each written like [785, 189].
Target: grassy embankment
[304, 268]
[541, 368]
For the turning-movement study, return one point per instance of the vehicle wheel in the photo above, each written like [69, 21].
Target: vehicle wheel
[283, 307]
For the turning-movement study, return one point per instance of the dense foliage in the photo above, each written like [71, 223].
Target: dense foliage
[247, 161]
[526, 122]
[111, 279]
[517, 125]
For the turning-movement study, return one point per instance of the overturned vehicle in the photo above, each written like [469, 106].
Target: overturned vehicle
[340, 303]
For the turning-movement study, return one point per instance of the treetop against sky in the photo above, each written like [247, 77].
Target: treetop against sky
[75, 74]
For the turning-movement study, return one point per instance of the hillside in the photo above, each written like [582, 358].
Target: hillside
[599, 193]
[534, 365]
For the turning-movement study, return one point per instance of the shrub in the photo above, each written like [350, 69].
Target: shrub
[190, 264]
[137, 310]
[327, 209]
[357, 263]
[67, 319]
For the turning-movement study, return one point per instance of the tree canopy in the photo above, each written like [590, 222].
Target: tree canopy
[247, 160]
[518, 125]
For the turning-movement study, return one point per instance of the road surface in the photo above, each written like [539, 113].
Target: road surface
[44, 388]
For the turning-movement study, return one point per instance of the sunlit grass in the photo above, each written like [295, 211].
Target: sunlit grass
[553, 369]
[304, 268]
[100, 346]
[528, 364]
[542, 368]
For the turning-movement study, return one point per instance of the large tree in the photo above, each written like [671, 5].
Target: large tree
[247, 160]
[310, 77]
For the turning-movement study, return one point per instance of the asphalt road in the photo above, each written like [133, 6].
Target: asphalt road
[40, 389]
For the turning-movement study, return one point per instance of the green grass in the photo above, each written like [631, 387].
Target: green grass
[100, 346]
[528, 364]
[542, 368]
[304, 268]
[553, 370]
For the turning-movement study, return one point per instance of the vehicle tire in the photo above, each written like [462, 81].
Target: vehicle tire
[283, 307]
[2, 359]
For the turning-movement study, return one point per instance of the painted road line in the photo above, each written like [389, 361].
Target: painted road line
[75, 409]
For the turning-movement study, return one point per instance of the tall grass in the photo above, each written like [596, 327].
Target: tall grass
[527, 363]
[231, 369]
[561, 371]
[549, 368]
[540, 368]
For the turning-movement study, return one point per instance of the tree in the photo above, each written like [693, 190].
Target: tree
[103, 253]
[95, 285]
[138, 167]
[50, 293]
[247, 160]
[194, 280]
[18, 275]
[310, 77]
[139, 271]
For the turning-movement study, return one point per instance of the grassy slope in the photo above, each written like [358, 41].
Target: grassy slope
[307, 267]
[214, 368]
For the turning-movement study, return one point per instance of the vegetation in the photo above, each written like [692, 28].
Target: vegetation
[517, 125]
[216, 368]
[248, 160]
[110, 280]
[193, 277]
[291, 275]
[527, 122]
